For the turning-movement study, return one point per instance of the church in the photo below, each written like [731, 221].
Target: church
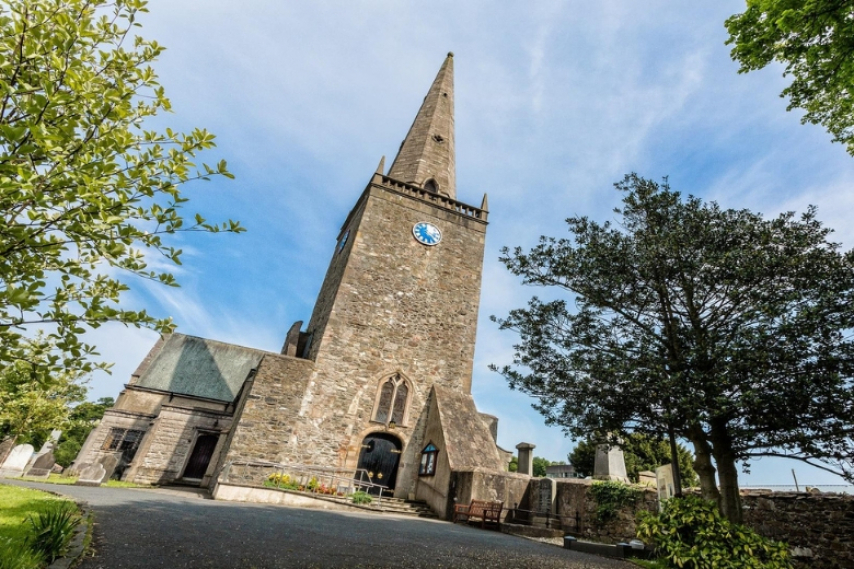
[379, 379]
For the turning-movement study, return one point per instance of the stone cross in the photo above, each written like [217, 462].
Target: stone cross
[610, 464]
[17, 461]
[526, 458]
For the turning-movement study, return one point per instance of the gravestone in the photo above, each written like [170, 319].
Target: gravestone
[17, 461]
[57, 469]
[664, 482]
[5, 448]
[610, 464]
[43, 465]
[75, 469]
[109, 462]
[92, 475]
[47, 447]
[545, 497]
[526, 458]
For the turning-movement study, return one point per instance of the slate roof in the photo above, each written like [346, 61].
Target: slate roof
[197, 367]
[468, 441]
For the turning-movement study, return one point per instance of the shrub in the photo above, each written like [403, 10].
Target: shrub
[690, 533]
[610, 497]
[53, 529]
[13, 556]
[277, 480]
[361, 497]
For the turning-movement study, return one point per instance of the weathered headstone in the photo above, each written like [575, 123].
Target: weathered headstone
[5, 448]
[646, 478]
[526, 458]
[47, 447]
[664, 482]
[57, 469]
[546, 493]
[17, 461]
[610, 464]
[43, 465]
[109, 462]
[76, 468]
[92, 475]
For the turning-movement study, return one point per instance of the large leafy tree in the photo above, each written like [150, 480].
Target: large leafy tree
[729, 329]
[641, 452]
[814, 40]
[86, 192]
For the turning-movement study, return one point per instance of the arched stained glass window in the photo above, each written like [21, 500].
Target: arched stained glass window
[392, 401]
[384, 404]
[427, 467]
[399, 403]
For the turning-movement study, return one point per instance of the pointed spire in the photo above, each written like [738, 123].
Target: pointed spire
[484, 205]
[426, 157]
[381, 166]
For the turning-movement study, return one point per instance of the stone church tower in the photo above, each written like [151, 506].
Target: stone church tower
[380, 379]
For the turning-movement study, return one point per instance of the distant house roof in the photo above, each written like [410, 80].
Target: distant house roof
[197, 367]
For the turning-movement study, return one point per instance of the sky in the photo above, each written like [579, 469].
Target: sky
[555, 101]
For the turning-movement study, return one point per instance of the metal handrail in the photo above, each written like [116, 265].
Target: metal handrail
[305, 470]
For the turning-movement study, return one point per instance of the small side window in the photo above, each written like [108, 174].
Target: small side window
[427, 467]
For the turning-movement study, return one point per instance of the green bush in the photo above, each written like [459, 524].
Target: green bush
[53, 529]
[612, 496]
[690, 533]
[13, 556]
[361, 497]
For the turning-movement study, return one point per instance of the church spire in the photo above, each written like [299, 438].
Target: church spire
[426, 157]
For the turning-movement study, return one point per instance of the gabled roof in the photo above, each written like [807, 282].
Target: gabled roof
[187, 365]
[467, 439]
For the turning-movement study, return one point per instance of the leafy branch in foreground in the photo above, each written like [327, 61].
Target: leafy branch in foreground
[86, 193]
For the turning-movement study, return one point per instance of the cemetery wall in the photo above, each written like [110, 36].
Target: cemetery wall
[485, 484]
[577, 510]
[823, 524]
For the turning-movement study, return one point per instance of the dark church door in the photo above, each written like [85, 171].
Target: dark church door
[201, 456]
[380, 456]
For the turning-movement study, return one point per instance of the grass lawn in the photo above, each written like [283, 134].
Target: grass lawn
[59, 479]
[17, 504]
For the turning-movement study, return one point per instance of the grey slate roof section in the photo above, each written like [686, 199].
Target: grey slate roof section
[188, 365]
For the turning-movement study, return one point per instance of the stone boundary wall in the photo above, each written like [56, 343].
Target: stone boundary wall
[577, 510]
[821, 526]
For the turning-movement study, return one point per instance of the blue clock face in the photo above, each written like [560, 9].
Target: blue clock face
[426, 233]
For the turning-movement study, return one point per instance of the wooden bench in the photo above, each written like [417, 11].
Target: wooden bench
[484, 510]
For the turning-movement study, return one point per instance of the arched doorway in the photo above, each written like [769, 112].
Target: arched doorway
[380, 457]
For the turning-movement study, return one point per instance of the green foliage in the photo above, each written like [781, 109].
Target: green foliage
[86, 193]
[361, 497]
[514, 464]
[13, 556]
[539, 465]
[641, 452]
[281, 480]
[53, 528]
[33, 397]
[690, 533]
[612, 496]
[730, 328]
[82, 419]
[814, 40]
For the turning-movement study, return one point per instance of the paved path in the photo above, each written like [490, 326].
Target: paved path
[173, 529]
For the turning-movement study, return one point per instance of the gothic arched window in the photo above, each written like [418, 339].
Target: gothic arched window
[391, 401]
[431, 186]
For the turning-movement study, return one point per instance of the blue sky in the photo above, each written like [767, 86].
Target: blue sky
[555, 101]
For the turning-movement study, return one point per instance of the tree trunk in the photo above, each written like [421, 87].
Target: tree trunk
[730, 503]
[704, 468]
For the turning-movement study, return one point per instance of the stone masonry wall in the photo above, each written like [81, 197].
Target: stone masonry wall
[577, 510]
[267, 430]
[166, 448]
[820, 523]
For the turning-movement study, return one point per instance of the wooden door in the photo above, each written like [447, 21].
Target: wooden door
[201, 456]
[380, 456]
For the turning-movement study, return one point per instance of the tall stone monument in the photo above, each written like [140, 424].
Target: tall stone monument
[526, 458]
[610, 464]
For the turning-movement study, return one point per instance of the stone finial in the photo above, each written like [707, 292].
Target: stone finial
[526, 458]
[381, 166]
[484, 205]
[426, 157]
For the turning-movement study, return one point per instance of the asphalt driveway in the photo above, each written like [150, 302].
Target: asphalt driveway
[162, 528]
